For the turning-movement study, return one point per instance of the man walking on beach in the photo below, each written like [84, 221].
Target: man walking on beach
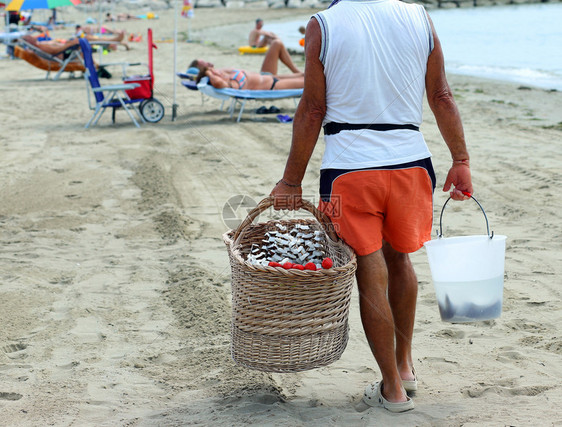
[367, 66]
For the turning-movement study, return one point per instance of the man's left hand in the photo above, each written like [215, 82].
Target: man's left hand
[459, 176]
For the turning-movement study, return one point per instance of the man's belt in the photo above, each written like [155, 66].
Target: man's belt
[334, 128]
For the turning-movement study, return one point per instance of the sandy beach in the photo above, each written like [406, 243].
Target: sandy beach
[115, 281]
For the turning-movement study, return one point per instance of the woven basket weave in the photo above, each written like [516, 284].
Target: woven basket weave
[288, 320]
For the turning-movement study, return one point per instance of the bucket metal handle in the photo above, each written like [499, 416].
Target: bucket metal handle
[491, 236]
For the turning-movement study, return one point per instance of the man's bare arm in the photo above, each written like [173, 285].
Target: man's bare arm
[306, 125]
[444, 108]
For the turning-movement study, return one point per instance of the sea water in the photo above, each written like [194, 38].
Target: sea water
[518, 43]
[470, 301]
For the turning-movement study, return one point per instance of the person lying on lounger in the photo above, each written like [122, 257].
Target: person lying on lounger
[277, 52]
[242, 79]
[52, 47]
[40, 32]
[92, 33]
[56, 47]
[119, 17]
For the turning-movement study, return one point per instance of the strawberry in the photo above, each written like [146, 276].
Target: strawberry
[287, 265]
[298, 266]
[327, 263]
[310, 266]
[274, 264]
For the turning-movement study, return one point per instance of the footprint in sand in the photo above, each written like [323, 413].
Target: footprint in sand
[10, 396]
[510, 355]
[15, 350]
[555, 346]
[527, 325]
[450, 333]
[11, 348]
[480, 389]
[531, 340]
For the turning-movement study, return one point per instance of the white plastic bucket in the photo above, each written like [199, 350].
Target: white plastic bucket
[467, 274]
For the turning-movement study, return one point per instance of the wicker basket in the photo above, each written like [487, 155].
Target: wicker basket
[288, 320]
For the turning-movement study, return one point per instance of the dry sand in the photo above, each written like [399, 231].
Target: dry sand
[114, 280]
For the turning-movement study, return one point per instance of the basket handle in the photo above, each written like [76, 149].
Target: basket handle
[481, 208]
[268, 202]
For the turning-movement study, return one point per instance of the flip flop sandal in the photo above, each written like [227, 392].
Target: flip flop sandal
[284, 118]
[411, 385]
[373, 397]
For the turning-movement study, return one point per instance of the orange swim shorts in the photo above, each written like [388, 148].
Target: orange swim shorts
[392, 203]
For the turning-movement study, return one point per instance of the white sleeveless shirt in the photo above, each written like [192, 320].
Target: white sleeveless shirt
[375, 59]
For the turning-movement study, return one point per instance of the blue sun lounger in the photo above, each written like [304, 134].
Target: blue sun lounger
[240, 97]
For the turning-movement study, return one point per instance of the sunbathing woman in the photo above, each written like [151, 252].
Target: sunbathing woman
[241, 79]
[277, 52]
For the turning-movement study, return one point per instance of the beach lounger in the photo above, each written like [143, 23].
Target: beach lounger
[188, 80]
[67, 60]
[111, 96]
[70, 62]
[240, 97]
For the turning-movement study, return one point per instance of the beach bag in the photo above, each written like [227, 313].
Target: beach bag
[288, 320]
[103, 73]
[143, 91]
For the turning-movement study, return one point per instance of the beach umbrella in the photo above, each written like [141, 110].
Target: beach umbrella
[186, 12]
[175, 70]
[17, 5]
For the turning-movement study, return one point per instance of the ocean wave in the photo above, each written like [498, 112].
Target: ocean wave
[539, 78]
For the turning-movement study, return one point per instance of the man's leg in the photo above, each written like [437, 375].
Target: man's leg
[402, 295]
[264, 41]
[288, 76]
[277, 52]
[378, 323]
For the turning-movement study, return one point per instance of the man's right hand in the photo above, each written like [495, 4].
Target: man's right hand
[286, 198]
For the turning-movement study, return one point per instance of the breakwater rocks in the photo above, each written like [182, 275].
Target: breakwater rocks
[311, 4]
